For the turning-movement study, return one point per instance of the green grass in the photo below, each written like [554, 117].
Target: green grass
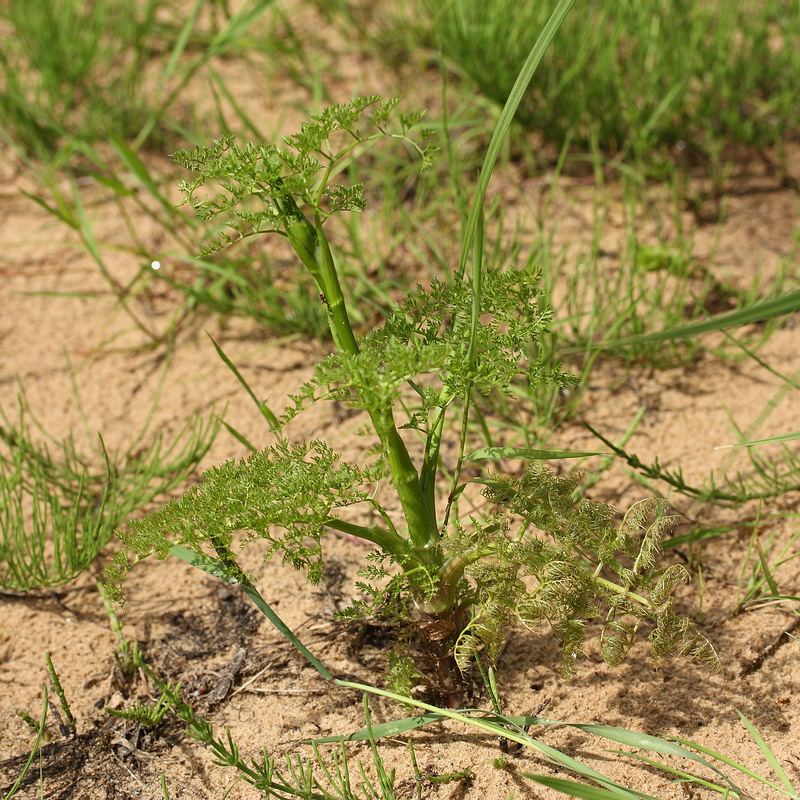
[75, 73]
[644, 81]
[59, 506]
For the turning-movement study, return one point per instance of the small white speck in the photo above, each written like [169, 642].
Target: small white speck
[156, 265]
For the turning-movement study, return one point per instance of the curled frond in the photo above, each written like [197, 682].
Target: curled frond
[545, 501]
[532, 611]
[465, 649]
[571, 634]
[674, 633]
[667, 583]
[486, 631]
[648, 520]
[402, 675]
[616, 639]
[570, 567]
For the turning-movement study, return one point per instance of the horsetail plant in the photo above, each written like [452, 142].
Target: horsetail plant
[459, 582]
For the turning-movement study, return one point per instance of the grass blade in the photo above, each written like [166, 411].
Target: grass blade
[758, 312]
[503, 125]
[137, 167]
[685, 776]
[268, 415]
[729, 761]
[399, 726]
[240, 437]
[40, 728]
[784, 437]
[500, 731]
[219, 569]
[574, 789]
[181, 41]
[768, 754]
[492, 453]
[653, 743]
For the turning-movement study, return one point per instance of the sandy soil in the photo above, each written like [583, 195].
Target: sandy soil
[237, 669]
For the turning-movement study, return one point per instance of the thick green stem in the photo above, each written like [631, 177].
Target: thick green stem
[430, 464]
[311, 245]
[421, 524]
[333, 296]
[450, 574]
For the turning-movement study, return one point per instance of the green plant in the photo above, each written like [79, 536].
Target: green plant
[316, 778]
[757, 585]
[58, 510]
[163, 240]
[332, 778]
[74, 72]
[674, 77]
[712, 760]
[432, 356]
[69, 726]
[40, 730]
[766, 478]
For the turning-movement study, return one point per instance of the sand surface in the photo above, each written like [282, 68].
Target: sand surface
[236, 668]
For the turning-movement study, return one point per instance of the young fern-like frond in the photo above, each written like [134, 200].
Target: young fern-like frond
[647, 520]
[545, 501]
[571, 633]
[402, 674]
[568, 566]
[427, 338]
[279, 181]
[616, 640]
[674, 633]
[288, 487]
[667, 583]
[149, 716]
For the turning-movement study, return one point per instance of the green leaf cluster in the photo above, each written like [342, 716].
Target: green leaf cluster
[149, 716]
[282, 180]
[284, 495]
[582, 565]
[425, 342]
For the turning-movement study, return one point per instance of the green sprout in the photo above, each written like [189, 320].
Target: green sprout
[460, 582]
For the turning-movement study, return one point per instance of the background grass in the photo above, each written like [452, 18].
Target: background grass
[76, 73]
[644, 81]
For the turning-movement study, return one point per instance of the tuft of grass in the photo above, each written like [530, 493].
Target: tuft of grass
[57, 511]
[77, 73]
[712, 760]
[644, 81]
[757, 585]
